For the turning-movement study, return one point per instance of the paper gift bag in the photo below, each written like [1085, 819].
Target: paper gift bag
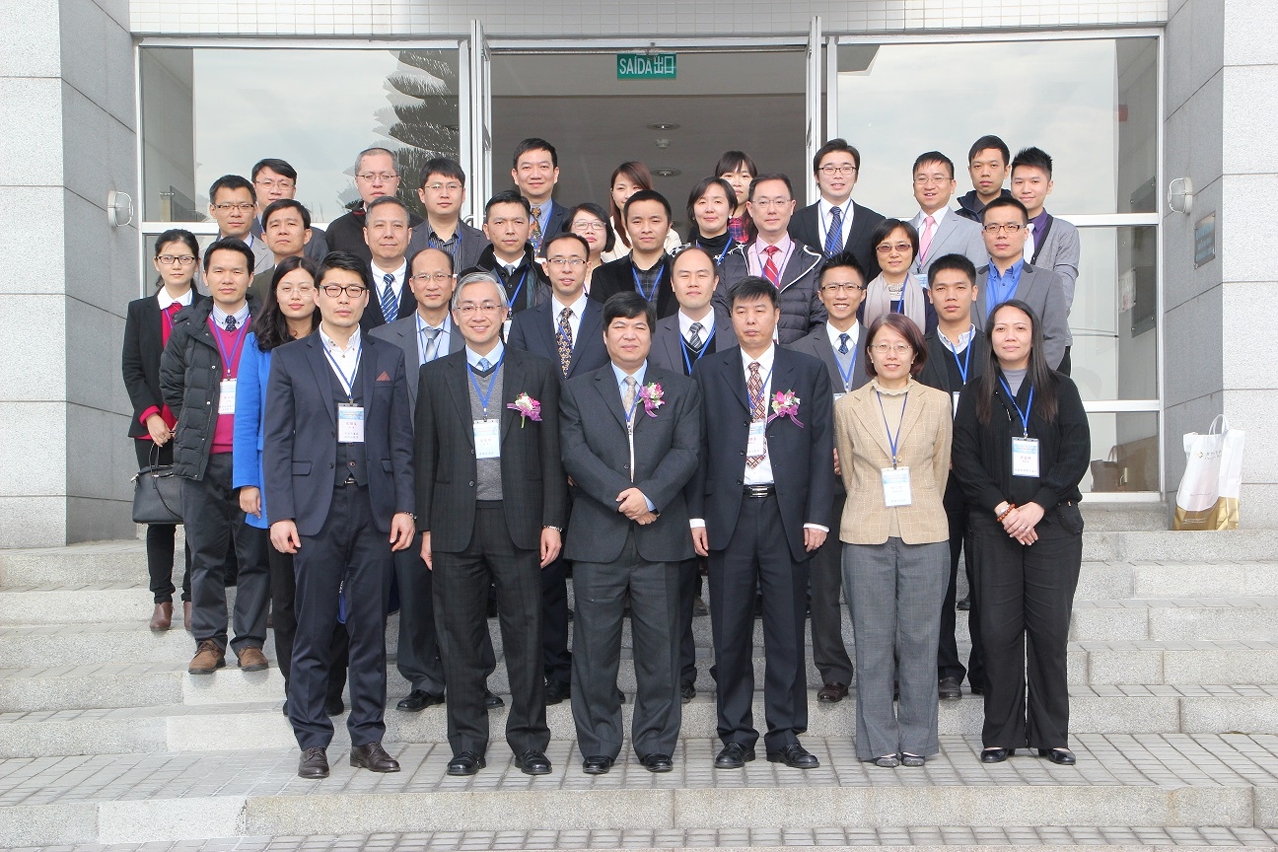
[1208, 494]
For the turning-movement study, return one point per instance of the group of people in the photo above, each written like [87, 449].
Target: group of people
[411, 412]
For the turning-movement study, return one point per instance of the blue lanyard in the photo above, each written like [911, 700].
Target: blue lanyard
[683, 345]
[515, 296]
[1029, 405]
[347, 384]
[763, 392]
[485, 396]
[726, 248]
[648, 297]
[893, 441]
[231, 360]
[630, 412]
[847, 377]
[967, 359]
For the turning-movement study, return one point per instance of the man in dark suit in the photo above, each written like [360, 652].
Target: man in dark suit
[387, 232]
[631, 436]
[535, 171]
[760, 508]
[646, 270]
[376, 175]
[442, 193]
[567, 330]
[956, 354]
[511, 256]
[491, 502]
[836, 344]
[836, 223]
[338, 463]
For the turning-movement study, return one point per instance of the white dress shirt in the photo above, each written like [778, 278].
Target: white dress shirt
[379, 276]
[824, 209]
[760, 474]
[166, 301]
[344, 362]
[707, 325]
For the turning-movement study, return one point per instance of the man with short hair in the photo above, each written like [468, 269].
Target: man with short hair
[386, 232]
[442, 193]
[288, 234]
[338, 469]
[1008, 276]
[646, 269]
[535, 172]
[511, 256]
[987, 163]
[275, 180]
[198, 372]
[1055, 243]
[837, 224]
[941, 230]
[778, 257]
[376, 175]
[233, 205]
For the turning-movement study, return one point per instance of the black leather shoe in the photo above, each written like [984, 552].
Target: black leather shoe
[1060, 755]
[334, 707]
[492, 700]
[963, 604]
[908, 759]
[284, 709]
[795, 756]
[832, 692]
[418, 700]
[996, 755]
[657, 762]
[314, 764]
[597, 764]
[533, 762]
[557, 691]
[977, 689]
[466, 763]
[373, 758]
[949, 689]
[687, 692]
[733, 756]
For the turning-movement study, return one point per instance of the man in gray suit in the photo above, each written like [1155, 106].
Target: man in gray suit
[1008, 276]
[631, 433]
[941, 230]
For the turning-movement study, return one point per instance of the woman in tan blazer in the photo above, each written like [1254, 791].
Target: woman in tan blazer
[893, 442]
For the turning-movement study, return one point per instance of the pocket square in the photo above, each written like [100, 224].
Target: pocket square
[383, 377]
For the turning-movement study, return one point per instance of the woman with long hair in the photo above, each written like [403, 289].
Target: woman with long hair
[146, 331]
[1021, 446]
[738, 170]
[627, 179]
[589, 221]
[710, 205]
[894, 289]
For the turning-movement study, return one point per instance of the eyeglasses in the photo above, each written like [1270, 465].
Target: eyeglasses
[924, 180]
[597, 227]
[468, 308]
[441, 277]
[269, 183]
[296, 290]
[234, 205]
[842, 288]
[451, 187]
[888, 248]
[570, 262]
[176, 259]
[376, 177]
[831, 170]
[885, 348]
[994, 228]
[334, 291]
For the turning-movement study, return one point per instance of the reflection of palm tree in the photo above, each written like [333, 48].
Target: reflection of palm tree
[425, 120]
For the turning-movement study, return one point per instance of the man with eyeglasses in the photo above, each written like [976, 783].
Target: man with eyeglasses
[233, 205]
[941, 230]
[387, 231]
[338, 471]
[511, 256]
[288, 234]
[442, 193]
[491, 504]
[646, 269]
[275, 180]
[376, 175]
[535, 172]
[836, 223]
[1008, 276]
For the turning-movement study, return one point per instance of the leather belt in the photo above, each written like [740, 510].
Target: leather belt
[759, 490]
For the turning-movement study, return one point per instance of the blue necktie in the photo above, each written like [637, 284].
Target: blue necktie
[390, 299]
[232, 323]
[843, 343]
[484, 366]
[833, 241]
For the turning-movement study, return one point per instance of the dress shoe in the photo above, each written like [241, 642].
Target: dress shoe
[284, 709]
[996, 755]
[270, 621]
[314, 764]
[733, 756]
[533, 762]
[492, 700]
[466, 763]
[949, 689]
[887, 761]
[252, 659]
[334, 707]
[557, 691]
[657, 762]
[162, 618]
[832, 693]
[186, 615]
[687, 692]
[418, 700]
[598, 764]
[699, 607]
[908, 759]
[964, 604]
[795, 756]
[373, 758]
[209, 657]
[1060, 755]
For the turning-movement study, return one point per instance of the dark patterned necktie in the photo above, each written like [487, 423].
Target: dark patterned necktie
[757, 408]
[563, 339]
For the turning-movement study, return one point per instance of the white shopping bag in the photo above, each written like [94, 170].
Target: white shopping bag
[1208, 495]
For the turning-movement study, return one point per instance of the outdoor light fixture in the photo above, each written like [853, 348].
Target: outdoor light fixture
[119, 208]
[1180, 195]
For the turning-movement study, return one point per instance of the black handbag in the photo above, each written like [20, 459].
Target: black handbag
[157, 493]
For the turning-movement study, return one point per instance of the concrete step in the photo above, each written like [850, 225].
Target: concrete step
[1175, 780]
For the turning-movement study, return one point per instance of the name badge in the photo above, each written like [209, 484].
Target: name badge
[350, 424]
[956, 399]
[757, 445]
[226, 397]
[921, 278]
[1025, 457]
[487, 439]
[896, 486]
[839, 396]
[505, 326]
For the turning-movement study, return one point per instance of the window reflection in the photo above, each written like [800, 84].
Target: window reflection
[1124, 453]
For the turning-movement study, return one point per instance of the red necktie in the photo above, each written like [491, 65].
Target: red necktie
[770, 270]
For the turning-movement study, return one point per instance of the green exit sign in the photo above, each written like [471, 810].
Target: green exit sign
[646, 66]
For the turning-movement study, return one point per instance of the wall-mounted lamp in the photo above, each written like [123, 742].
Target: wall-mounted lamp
[1180, 195]
[119, 208]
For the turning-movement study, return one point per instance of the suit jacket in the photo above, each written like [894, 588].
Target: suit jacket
[806, 228]
[403, 333]
[954, 235]
[470, 244]
[801, 307]
[1060, 253]
[372, 316]
[300, 448]
[533, 331]
[800, 455]
[618, 276]
[597, 455]
[924, 447]
[667, 350]
[554, 225]
[534, 487]
[1043, 290]
[817, 344]
[140, 358]
[936, 370]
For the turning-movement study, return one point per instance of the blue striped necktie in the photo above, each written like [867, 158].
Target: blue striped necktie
[833, 243]
[390, 299]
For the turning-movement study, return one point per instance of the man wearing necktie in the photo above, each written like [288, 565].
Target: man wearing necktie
[535, 171]
[941, 230]
[386, 230]
[835, 223]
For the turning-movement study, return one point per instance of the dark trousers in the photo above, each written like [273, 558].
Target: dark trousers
[1026, 597]
[214, 525]
[161, 539]
[758, 555]
[689, 581]
[829, 654]
[554, 622]
[351, 555]
[283, 610]
[461, 582]
[948, 663]
[601, 592]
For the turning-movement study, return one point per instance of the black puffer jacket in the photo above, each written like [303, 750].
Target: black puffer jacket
[190, 380]
[801, 307]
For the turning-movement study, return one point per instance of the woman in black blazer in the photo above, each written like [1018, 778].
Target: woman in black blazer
[1021, 446]
[146, 331]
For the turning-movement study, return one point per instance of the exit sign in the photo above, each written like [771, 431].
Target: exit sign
[646, 66]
